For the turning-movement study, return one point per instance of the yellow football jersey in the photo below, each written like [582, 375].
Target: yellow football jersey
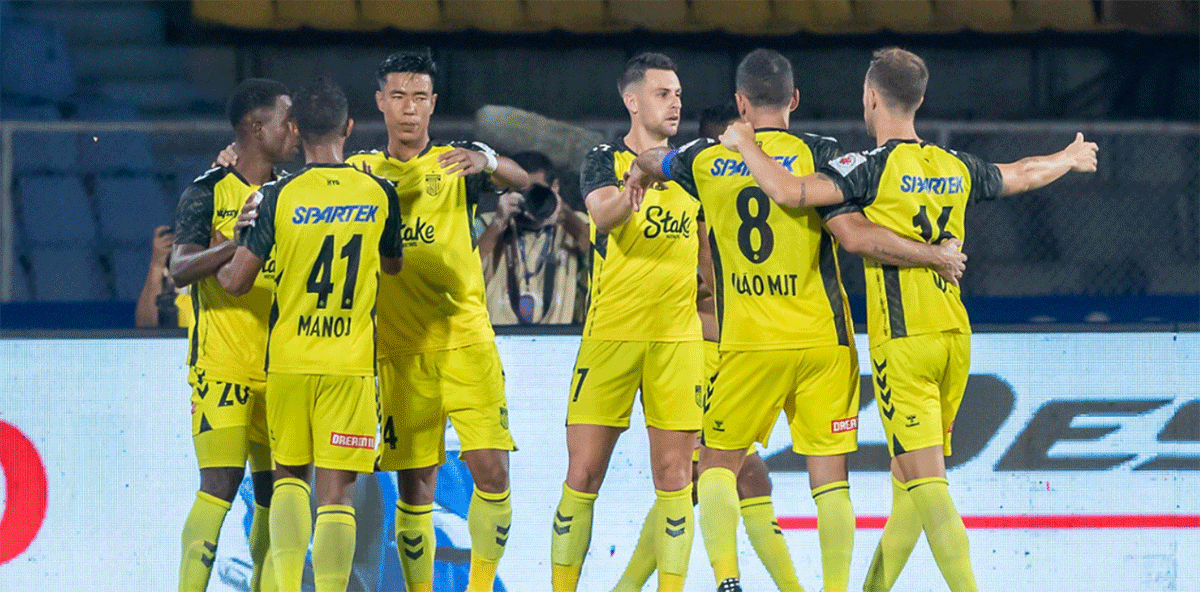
[438, 301]
[643, 285]
[329, 224]
[919, 191]
[228, 336]
[777, 280]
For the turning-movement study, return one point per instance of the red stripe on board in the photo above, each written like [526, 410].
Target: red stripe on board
[1028, 521]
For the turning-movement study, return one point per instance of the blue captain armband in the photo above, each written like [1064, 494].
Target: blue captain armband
[666, 163]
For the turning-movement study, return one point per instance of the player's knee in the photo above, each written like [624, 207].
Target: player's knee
[221, 482]
[585, 477]
[753, 483]
[417, 486]
[672, 474]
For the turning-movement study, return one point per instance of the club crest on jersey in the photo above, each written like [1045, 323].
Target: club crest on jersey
[845, 164]
[433, 183]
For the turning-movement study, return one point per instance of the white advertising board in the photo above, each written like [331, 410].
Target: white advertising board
[1076, 467]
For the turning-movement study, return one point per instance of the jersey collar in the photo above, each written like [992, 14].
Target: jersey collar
[388, 155]
[770, 129]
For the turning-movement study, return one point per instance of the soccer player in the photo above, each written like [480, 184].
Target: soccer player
[786, 338]
[753, 479]
[437, 352]
[333, 229]
[641, 331]
[228, 341]
[919, 331]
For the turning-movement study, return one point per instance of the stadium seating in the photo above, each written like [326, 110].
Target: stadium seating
[485, 15]
[1062, 15]
[577, 16]
[246, 14]
[815, 15]
[751, 17]
[55, 209]
[36, 61]
[974, 15]
[406, 15]
[71, 273]
[908, 16]
[660, 15]
[109, 152]
[336, 15]
[130, 207]
[128, 267]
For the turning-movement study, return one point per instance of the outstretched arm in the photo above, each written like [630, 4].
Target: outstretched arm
[866, 239]
[780, 184]
[237, 276]
[1036, 172]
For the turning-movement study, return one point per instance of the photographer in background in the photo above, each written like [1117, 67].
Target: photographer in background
[160, 304]
[532, 249]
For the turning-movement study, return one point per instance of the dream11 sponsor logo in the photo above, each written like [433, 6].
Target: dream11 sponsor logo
[989, 402]
[25, 492]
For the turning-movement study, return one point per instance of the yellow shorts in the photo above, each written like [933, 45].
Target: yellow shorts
[330, 421]
[229, 422]
[419, 391]
[817, 387]
[608, 375]
[919, 384]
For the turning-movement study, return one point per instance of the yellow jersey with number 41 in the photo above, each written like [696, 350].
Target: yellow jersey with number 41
[329, 225]
[777, 280]
[920, 191]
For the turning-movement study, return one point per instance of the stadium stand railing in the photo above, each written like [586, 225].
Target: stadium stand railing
[1121, 245]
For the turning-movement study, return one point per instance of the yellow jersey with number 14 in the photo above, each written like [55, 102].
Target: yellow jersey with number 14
[329, 225]
[777, 279]
[643, 284]
[438, 301]
[919, 191]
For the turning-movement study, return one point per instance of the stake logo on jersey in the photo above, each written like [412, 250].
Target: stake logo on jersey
[229, 336]
[920, 191]
[329, 226]
[437, 301]
[643, 271]
[777, 280]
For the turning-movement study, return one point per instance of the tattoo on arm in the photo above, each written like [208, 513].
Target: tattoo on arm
[884, 254]
[803, 193]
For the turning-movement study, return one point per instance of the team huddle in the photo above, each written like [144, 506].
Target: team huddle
[341, 321]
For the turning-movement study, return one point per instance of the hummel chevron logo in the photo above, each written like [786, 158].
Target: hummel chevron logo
[413, 541]
[503, 532]
[202, 390]
[678, 522]
[880, 366]
[211, 556]
[564, 528]
[414, 555]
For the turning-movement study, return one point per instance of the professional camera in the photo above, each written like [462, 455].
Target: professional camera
[538, 203]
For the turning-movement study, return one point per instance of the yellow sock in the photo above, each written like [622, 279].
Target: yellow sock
[945, 531]
[291, 528]
[200, 532]
[900, 535]
[416, 544]
[719, 519]
[758, 514]
[835, 530]
[572, 536]
[643, 562]
[676, 528]
[333, 548]
[263, 578]
[488, 519]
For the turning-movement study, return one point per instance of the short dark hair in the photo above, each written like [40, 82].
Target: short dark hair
[320, 108]
[764, 77]
[403, 62]
[251, 94]
[718, 115]
[534, 162]
[900, 75]
[635, 68]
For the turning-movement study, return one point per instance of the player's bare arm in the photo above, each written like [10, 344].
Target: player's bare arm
[504, 171]
[782, 186]
[237, 276]
[646, 170]
[866, 239]
[1036, 172]
[609, 207]
[391, 265]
